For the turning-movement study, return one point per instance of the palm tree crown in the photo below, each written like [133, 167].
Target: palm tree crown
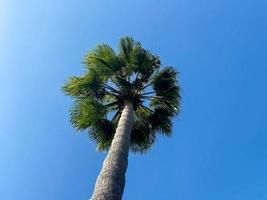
[133, 75]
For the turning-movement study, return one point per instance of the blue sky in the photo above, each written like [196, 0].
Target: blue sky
[218, 149]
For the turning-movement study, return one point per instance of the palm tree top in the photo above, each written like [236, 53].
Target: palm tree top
[111, 79]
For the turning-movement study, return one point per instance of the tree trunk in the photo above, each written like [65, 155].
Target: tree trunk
[111, 180]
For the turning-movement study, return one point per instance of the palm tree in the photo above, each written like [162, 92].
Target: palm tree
[123, 100]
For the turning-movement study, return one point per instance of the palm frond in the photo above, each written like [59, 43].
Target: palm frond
[143, 62]
[88, 85]
[167, 89]
[161, 120]
[126, 46]
[103, 60]
[102, 132]
[86, 112]
[142, 136]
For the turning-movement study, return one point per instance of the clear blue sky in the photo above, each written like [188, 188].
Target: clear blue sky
[218, 149]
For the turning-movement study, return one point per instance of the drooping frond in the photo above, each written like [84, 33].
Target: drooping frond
[167, 89]
[161, 120]
[166, 101]
[86, 112]
[133, 74]
[143, 136]
[102, 133]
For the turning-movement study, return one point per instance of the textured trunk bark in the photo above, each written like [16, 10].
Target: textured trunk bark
[111, 180]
